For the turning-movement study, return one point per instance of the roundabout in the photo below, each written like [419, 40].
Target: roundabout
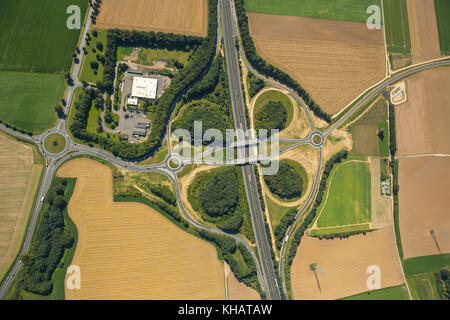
[317, 139]
[55, 143]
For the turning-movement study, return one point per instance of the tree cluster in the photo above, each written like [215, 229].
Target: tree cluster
[392, 134]
[287, 183]
[255, 85]
[282, 227]
[269, 70]
[164, 193]
[49, 243]
[272, 115]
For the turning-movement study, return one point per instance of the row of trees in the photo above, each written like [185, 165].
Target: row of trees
[269, 70]
[163, 192]
[287, 183]
[341, 235]
[13, 127]
[49, 243]
[282, 227]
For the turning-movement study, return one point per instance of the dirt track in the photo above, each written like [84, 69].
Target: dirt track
[423, 30]
[422, 123]
[342, 265]
[130, 251]
[334, 61]
[177, 16]
[424, 201]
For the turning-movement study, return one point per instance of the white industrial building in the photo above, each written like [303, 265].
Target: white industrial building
[144, 88]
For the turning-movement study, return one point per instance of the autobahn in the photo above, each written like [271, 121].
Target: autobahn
[266, 272]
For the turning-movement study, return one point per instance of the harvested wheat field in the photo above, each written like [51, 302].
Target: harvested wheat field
[422, 123]
[130, 251]
[423, 30]
[238, 290]
[177, 16]
[424, 201]
[18, 186]
[334, 61]
[342, 265]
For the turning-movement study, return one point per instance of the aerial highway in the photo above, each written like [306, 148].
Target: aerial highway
[229, 32]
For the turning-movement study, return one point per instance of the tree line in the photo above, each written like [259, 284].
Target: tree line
[268, 69]
[255, 84]
[50, 241]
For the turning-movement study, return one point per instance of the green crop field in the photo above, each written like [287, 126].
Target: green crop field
[384, 144]
[87, 73]
[424, 286]
[349, 197]
[35, 37]
[443, 22]
[397, 26]
[426, 264]
[392, 293]
[28, 99]
[342, 10]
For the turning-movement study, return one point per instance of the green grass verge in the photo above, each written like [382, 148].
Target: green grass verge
[384, 144]
[342, 10]
[36, 37]
[28, 100]
[276, 212]
[443, 22]
[397, 27]
[349, 198]
[87, 73]
[55, 143]
[328, 231]
[392, 293]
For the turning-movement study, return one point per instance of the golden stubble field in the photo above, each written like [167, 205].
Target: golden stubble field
[130, 251]
[342, 265]
[177, 16]
[334, 61]
[238, 290]
[18, 185]
[424, 201]
[422, 123]
[423, 30]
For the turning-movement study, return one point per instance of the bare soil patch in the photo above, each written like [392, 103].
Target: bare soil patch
[334, 61]
[424, 202]
[129, 250]
[365, 140]
[342, 265]
[423, 30]
[422, 123]
[177, 16]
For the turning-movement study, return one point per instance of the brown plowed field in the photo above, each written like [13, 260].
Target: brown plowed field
[424, 205]
[365, 138]
[423, 30]
[342, 265]
[177, 16]
[334, 61]
[18, 185]
[422, 123]
[130, 251]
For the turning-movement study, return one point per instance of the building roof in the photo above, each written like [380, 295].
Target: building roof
[132, 101]
[144, 87]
